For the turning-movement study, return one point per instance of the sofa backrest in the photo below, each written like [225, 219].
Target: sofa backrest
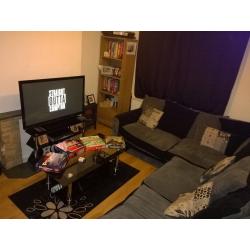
[177, 119]
[202, 121]
[239, 130]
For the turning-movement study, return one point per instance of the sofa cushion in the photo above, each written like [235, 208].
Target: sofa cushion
[175, 177]
[239, 130]
[215, 139]
[235, 126]
[231, 191]
[156, 137]
[200, 155]
[153, 102]
[177, 119]
[217, 168]
[122, 212]
[202, 121]
[150, 117]
[233, 182]
[189, 204]
[243, 150]
[147, 203]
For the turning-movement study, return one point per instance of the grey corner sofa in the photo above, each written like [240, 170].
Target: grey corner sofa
[176, 142]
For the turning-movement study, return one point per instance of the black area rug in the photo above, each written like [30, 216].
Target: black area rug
[36, 202]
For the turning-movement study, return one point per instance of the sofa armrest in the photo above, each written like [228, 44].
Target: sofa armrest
[125, 118]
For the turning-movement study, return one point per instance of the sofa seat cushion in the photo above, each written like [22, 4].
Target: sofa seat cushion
[147, 203]
[122, 212]
[156, 137]
[175, 177]
[192, 151]
[144, 203]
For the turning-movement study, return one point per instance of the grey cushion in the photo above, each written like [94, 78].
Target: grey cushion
[153, 102]
[233, 178]
[147, 203]
[122, 212]
[158, 138]
[143, 204]
[192, 151]
[230, 193]
[202, 121]
[175, 177]
[244, 213]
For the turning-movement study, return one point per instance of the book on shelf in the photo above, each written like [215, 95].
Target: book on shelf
[53, 162]
[115, 49]
[111, 85]
[116, 142]
[92, 143]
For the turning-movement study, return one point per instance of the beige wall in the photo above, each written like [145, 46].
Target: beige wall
[90, 60]
[239, 103]
[33, 55]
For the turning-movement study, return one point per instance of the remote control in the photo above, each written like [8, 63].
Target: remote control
[56, 188]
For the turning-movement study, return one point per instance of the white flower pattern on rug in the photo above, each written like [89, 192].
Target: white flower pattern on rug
[56, 209]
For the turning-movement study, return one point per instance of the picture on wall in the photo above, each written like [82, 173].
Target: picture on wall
[131, 48]
[91, 98]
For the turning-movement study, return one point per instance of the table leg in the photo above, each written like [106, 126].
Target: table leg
[48, 182]
[116, 164]
[69, 194]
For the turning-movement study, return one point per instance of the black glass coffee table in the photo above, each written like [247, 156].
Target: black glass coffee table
[75, 170]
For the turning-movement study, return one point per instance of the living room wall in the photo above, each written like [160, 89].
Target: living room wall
[239, 102]
[34, 55]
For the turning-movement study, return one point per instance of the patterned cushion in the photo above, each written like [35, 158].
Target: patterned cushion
[230, 182]
[217, 168]
[215, 139]
[150, 117]
[189, 204]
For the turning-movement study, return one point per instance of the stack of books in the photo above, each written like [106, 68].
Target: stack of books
[116, 142]
[71, 147]
[53, 162]
[92, 143]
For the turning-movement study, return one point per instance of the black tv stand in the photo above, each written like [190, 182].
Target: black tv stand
[42, 138]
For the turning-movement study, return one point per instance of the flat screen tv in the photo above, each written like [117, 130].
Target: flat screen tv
[46, 101]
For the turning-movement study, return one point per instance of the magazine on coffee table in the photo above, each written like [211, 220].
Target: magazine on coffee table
[116, 142]
[53, 162]
[92, 143]
[70, 145]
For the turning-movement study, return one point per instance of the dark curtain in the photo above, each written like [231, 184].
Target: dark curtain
[196, 69]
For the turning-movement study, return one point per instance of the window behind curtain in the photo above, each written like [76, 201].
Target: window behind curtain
[196, 69]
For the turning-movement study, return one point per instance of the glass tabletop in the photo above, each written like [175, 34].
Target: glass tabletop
[93, 160]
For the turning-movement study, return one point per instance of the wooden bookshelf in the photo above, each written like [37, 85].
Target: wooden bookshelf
[117, 55]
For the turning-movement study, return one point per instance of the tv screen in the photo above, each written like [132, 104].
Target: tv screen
[47, 100]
